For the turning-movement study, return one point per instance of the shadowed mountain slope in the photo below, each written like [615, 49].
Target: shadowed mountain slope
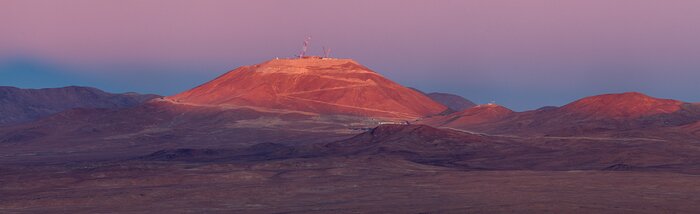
[455, 149]
[452, 101]
[23, 105]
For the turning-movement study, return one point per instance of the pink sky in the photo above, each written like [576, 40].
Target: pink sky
[523, 54]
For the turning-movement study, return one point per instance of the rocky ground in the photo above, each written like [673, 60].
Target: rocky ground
[335, 185]
[388, 169]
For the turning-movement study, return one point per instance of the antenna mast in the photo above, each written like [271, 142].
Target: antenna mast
[306, 46]
[326, 52]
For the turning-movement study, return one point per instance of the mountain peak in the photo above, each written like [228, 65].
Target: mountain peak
[623, 105]
[311, 64]
[314, 85]
[484, 112]
[490, 106]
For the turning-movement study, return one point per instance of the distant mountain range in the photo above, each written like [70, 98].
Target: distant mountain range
[609, 114]
[292, 135]
[311, 100]
[24, 105]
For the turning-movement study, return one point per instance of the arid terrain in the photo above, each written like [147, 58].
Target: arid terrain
[341, 185]
[317, 135]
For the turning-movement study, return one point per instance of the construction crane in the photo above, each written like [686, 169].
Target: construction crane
[306, 46]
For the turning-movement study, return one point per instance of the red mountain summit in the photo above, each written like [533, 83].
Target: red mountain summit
[316, 85]
[624, 105]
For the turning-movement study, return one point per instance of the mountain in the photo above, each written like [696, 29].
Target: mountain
[452, 101]
[315, 85]
[620, 115]
[623, 111]
[476, 115]
[102, 158]
[289, 101]
[23, 105]
[629, 105]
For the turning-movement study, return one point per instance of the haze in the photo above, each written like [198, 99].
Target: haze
[521, 54]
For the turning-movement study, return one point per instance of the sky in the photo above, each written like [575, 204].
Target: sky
[520, 54]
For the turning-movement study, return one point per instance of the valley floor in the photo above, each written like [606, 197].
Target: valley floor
[335, 185]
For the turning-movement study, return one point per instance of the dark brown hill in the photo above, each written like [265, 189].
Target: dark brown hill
[452, 101]
[23, 105]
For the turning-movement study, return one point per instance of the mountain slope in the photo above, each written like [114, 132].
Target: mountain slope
[23, 105]
[452, 101]
[91, 133]
[622, 106]
[323, 86]
[623, 111]
[617, 115]
[472, 116]
[428, 145]
[456, 149]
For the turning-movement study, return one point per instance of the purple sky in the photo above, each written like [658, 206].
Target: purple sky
[522, 54]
